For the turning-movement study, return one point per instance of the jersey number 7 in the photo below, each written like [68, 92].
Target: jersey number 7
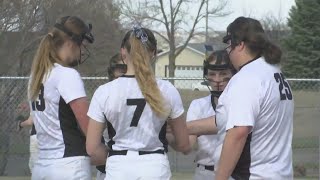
[140, 103]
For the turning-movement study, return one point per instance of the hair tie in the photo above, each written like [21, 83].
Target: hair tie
[140, 34]
[50, 34]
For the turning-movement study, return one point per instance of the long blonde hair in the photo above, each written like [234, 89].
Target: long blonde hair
[47, 55]
[141, 55]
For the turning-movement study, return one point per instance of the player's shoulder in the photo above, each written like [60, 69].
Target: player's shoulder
[110, 85]
[165, 85]
[201, 101]
[162, 82]
[245, 77]
[242, 82]
[106, 86]
[257, 70]
[64, 71]
[255, 74]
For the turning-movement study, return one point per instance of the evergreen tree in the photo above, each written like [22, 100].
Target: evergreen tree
[303, 43]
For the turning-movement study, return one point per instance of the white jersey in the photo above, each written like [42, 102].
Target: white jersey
[58, 133]
[131, 124]
[259, 96]
[202, 108]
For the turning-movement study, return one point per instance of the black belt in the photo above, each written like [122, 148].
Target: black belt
[210, 168]
[124, 152]
[102, 168]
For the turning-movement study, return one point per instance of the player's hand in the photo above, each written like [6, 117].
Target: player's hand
[19, 127]
[169, 129]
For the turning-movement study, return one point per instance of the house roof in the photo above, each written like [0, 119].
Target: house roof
[197, 48]
[179, 46]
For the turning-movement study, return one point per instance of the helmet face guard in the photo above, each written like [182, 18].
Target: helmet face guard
[215, 67]
[78, 39]
[231, 40]
[226, 38]
[75, 37]
[84, 55]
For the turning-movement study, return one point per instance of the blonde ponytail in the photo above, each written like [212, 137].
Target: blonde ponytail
[145, 77]
[47, 53]
[42, 64]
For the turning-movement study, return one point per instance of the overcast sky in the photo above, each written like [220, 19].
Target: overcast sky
[257, 9]
[253, 8]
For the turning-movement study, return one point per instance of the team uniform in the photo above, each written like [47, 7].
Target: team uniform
[260, 97]
[33, 149]
[203, 108]
[101, 170]
[62, 151]
[137, 136]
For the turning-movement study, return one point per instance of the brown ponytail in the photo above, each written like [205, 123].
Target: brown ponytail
[250, 31]
[272, 53]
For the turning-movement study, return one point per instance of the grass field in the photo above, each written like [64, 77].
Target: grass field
[175, 176]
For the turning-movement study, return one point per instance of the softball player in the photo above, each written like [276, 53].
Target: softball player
[33, 148]
[218, 71]
[116, 69]
[58, 103]
[255, 111]
[135, 108]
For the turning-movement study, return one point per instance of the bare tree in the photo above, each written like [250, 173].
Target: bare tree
[275, 28]
[19, 19]
[27, 21]
[174, 16]
[104, 17]
[22, 25]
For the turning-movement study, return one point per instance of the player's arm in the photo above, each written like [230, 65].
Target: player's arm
[178, 120]
[231, 150]
[205, 126]
[72, 91]
[194, 112]
[180, 133]
[95, 149]
[192, 141]
[241, 112]
[25, 123]
[172, 142]
[80, 108]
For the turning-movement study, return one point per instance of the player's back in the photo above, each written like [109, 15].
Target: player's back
[58, 133]
[272, 134]
[270, 153]
[131, 123]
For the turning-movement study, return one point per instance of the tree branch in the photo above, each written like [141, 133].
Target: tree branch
[162, 36]
[154, 19]
[196, 21]
[165, 19]
[176, 10]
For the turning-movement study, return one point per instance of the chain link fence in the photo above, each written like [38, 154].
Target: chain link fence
[14, 145]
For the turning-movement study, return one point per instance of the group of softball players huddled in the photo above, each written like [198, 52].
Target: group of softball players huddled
[242, 130]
